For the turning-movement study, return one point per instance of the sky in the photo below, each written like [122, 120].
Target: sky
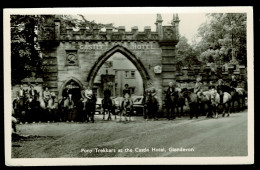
[189, 22]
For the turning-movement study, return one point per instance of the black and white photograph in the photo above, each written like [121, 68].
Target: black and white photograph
[143, 85]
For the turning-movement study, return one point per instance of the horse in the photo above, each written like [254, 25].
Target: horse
[216, 102]
[19, 108]
[192, 101]
[170, 104]
[127, 108]
[237, 95]
[52, 108]
[204, 98]
[88, 108]
[180, 103]
[152, 106]
[107, 106]
[67, 109]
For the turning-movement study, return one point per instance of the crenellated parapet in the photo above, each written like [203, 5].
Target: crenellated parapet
[60, 31]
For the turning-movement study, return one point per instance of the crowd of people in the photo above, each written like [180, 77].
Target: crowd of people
[151, 102]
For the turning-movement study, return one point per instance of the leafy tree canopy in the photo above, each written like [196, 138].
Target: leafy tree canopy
[25, 50]
[223, 38]
[185, 54]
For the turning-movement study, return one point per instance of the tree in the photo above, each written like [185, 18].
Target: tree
[223, 38]
[24, 55]
[185, 54]
[25, 50]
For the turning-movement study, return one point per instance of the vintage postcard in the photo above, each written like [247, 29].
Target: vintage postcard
[129, 86]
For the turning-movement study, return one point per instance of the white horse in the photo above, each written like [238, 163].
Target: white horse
[215, 100]
[127, 107]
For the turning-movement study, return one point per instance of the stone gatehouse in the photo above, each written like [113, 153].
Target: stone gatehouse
[77, 55]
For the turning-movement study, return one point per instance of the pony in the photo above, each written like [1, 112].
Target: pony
[107, 106]
[215, 101]
[52, 108]
[180, 103]
[170, 104]
[192, 99]
[204, 98]
[88, 109]
[19, 108]
[152, 106]
[238, 95]
[66, 108]
[127, 108]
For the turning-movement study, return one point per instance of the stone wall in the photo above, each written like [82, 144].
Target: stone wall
[77, 54]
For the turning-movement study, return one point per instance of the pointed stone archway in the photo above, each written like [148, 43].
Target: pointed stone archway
[128, 54]
[65, 83]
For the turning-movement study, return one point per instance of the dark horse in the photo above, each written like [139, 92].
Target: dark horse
[19, 108]
[192, 100]
[238, 95]
[152, 106]
[88, 108]
[107, 105]
[171, 101]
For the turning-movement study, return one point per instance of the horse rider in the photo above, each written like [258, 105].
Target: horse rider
[32, 92]
[171, 89]
[220, 89]
[46, 95]
[198, 88]
[233, 83]
[86, 94]
[198, 85]
[211, 86]
[21, 93]
[126, 90]
[107, 92]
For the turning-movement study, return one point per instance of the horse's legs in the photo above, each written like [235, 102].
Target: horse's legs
[168, 113]
[109, 115]
[224, 109]
[92, 116]
[191, 111]
[104, 112]
[173, 111]
[228, 109]
[238, 104]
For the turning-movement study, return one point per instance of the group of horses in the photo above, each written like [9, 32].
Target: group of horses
[35, 109]
[209, 103]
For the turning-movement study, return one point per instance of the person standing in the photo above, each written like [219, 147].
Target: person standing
[170, 104]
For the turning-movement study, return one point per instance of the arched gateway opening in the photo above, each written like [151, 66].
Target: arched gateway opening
[73, 86]
[126, 53]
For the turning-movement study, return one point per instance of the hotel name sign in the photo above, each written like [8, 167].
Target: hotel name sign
[104, 47]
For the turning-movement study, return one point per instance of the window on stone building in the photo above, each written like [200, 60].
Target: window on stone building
[132, 74]
[126, 74]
